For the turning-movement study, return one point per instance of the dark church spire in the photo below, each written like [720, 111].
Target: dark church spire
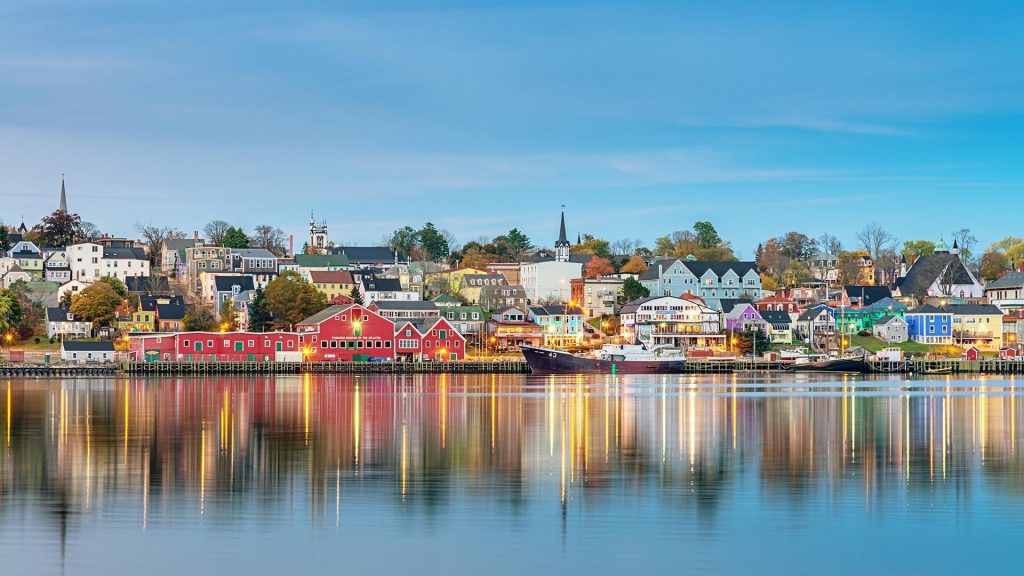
[63, 196]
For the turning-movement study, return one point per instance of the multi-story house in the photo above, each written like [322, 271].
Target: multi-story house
[414, 310]
[90, 261]
[712, 281]
[173, 253]
[508, 328]
[977, 325]
[562, 325]
[1007, 292]
[385, 289]
[596, 296]
[29, 258]
[204, 260]
[779, 324]
[56, 267]
[227, 287]
[468, 320]
[472, 284]
[929, 324]
[333, 283]
[816, 325]
[258, 263]
[62, 323]
[776, 303]
[499, 297]
[682, 323]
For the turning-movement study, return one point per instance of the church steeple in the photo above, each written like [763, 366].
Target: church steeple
[562, 245]
[63, 196]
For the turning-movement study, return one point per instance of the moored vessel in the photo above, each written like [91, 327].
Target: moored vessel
[610, 359]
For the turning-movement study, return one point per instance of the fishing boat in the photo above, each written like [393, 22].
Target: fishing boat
[849, 365]
[938, 370]
[610, 359]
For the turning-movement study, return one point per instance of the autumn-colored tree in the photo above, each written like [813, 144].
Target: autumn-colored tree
[599, 266]
[291, 299]
[993, 265]
[635, 265]
[228, 316]
[10, 310]
[768, 282]
[60, 229]
[97, 304]
[589, 244]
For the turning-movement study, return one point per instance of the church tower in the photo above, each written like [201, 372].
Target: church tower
[562, 245]
[317, 235]
[63, 197]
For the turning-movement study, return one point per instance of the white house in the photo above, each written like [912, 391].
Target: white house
[73, 286]
[940, 274]
[683, 323]
[56, 268]
[891, 329]
[62, 323]
[374, 289]
[14, 274]
[82, 352]
[90, 261]
[549, 280]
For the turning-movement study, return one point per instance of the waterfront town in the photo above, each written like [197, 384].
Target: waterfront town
[223, 294]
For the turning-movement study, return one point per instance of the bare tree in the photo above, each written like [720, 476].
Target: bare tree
[829, 244]
[887, 265]
[874, 239]
[268, 237]
[154, 237]
[215, 231]
[625, 246]
[90, 231]
[449, 237]
[966, 242]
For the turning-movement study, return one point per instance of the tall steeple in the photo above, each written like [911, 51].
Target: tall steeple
[562, 245]
[63, 196]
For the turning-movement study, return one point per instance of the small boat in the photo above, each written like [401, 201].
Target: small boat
[938, 370]
[610, 359]
[854, 365]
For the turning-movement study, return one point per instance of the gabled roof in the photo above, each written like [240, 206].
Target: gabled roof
[148, 303]
[888, 304]
[331, 277]
[225, 283]
[554, 310]
[368, 254]
[870, 294]
[975, 309]
[776, 317]
[927, 269]
[80, 346]
[444, 299]
[326, 314]
[254, 253]
[888, 318]
[321, 260]
[1011, 280]
[381, 285]
[927, 309]
[124, 253]
[54, 314]
[698, 268]
[729, 303]
[812, 313]
[175, 244]
[170, 311]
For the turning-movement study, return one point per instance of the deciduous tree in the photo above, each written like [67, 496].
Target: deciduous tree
[119, 288]
[10, 310]
[215, 232]
[268, 237]
[291, 299]
[635, 265]
[60, 229]
[228, 316]
[599, 266]
[96, 303]
[199, 319]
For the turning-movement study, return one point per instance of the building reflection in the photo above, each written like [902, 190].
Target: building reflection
[265, 446]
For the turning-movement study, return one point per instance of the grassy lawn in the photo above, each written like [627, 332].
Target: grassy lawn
[30, 344]
[873, 344]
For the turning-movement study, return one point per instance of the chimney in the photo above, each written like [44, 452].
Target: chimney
[291, 245]
[195, 235]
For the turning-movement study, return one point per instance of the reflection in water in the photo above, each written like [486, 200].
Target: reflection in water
[680, 467]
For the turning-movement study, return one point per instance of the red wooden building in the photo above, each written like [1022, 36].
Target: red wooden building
[215, 346]
[435, 339]
[346, 333]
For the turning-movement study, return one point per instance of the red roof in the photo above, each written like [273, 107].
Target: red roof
[331, 277]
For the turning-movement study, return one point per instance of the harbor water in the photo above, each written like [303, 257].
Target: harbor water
[511, 474]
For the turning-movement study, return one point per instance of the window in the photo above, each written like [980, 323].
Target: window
[185, 343]
[199, 346]
[387, 343]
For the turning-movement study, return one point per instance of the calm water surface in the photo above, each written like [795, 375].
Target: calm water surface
[511, 475]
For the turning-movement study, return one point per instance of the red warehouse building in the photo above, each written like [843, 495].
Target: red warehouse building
[347, 333]
[216, 346]
[436, 339]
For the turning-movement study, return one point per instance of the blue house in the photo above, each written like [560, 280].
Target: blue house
[927, 324]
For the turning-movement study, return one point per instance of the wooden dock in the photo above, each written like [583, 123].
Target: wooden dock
[432, 367]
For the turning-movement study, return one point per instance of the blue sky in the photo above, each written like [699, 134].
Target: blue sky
[641, 117]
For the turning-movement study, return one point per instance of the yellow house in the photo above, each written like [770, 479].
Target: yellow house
[978, 325]
[333, 283]
[473, 283]
[449, 281]
[141, 321]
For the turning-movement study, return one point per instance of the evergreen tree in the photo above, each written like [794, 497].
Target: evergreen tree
[259, 315]
[356, 295]
[433, 242]
[235, 238]
[228, 316]
[632, 289]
